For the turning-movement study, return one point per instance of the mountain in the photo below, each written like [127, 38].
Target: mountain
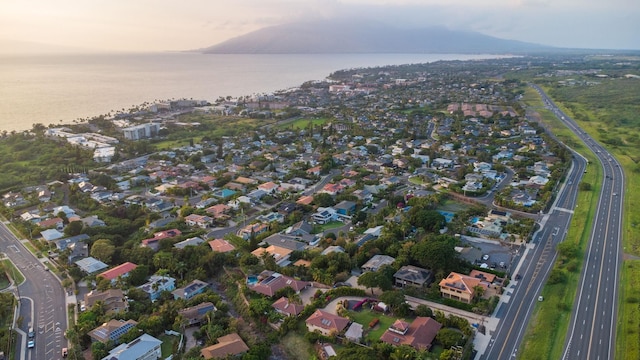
[340, 36]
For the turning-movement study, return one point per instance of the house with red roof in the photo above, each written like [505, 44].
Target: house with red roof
[154, 242]
[218, 211]
[419, 334]
[121, 270]
[332, 189]
[200, 221]
[326, 323]
[221, 245]
[269, 187]
[276, 281]
[461, 287]
[286, 307]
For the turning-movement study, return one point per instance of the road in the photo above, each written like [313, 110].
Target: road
[592, 329]
[42, 303]
[534, 269]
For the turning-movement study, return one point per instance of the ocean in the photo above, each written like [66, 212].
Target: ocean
[58, 89]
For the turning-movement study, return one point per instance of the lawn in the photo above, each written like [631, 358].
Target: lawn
[4, 281]
[13, 271]
[364, 317]
[328, 226]
[302, 123]
[168, 341]
[297, 346]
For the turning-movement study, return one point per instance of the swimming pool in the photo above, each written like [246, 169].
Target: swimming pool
[252, 280]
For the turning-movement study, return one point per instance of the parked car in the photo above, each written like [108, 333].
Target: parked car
[485, 257]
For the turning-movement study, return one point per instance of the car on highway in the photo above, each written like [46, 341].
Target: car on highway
[31, 344]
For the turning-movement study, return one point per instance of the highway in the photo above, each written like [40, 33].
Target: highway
[592, 329]
[534, 269]
[42, 303]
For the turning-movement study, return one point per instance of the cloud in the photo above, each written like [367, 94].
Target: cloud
[174, 25]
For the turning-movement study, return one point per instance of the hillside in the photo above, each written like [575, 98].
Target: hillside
[363, 37]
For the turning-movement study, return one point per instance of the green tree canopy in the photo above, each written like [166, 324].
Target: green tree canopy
[103, 250]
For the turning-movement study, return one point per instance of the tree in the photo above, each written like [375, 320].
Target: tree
[423, 310]
[103, 250]
[323, 200]
[449, 337]
[436, 254]
[74, 228]
[373, 279]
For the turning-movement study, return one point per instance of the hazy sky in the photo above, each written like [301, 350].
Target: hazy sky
[150, 25]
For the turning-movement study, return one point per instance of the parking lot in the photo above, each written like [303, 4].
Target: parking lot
[492, 253]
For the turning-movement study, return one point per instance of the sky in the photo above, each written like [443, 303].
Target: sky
[170, 25]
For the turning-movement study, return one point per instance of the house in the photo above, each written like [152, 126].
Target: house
[305, 200]
[300, 228]
[121, 270]
[325, 215]
[271, 217]
[154, 242]
[279, 254]
[345, 208]
[111, 331]
[51, 234]
[52, 223]
[332, 189]
[194, 288]
[218, 210]
[156, 285]
[286, 307]
[113, 300]
[200, 221]
[252, 230]
[419, 334]
[326, 323]
[273, 281]
[92, 221]
[194, 241]
[288, 241]
[145, 347]
[376, 262]
[228, 345]
[90, 265]
[460, 287]
[268, 187]
[314, 171]
[354, 333]
[62, 244]
[195, 314]
[221, 245]
[413, 276]
[332, 249]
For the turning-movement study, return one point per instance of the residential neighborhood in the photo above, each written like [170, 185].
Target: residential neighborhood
[361, 190]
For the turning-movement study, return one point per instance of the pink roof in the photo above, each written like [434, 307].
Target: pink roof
[268, 186]
[221, 245]
[119, 270]
[327, 321]
[49, 222]
[272, 284]
[419, 335]
[285, 306]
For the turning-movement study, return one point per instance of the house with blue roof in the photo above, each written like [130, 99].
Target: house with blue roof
[194, 288]
[145, 347]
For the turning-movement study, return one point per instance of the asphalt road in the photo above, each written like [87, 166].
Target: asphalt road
[592, 329]
[534, 269]
[42, 303]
